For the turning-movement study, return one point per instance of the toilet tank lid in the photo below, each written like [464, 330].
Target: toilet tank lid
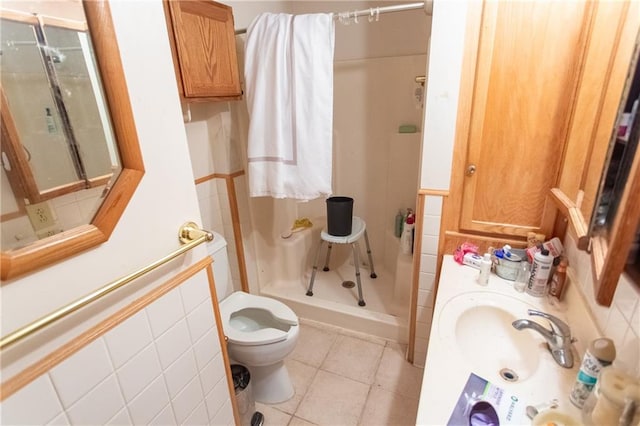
[218, 243]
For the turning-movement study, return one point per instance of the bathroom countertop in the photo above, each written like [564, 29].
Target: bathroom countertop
[447, 368]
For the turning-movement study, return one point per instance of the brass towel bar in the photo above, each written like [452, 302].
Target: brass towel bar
[189, 234]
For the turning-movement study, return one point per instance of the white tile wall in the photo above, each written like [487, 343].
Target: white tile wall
[98, 405]
[124, 342]
[621, 321]
[18, 408]
[144, 370]
[426, 280]
[216, 216]
[69, 384]
[138, 372]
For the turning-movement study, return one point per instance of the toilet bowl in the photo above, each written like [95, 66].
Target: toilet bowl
[260, 331]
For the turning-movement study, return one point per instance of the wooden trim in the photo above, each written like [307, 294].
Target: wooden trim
[613, 87]
[463, 124]
[574, 216]
[415, 276]
[453, 239]
[18, 16]
[68, 24]
[235, 220]
[223, 342]
[237, 234]
[21, 178]
[621, 236]
[434, 192]
[219, 176]
[32, 19]
[593, 84]
[35, 370]
[12, 215]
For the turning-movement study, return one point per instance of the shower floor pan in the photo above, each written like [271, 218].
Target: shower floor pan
[334, 304]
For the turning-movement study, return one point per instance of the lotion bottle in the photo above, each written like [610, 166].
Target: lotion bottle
[485, 270]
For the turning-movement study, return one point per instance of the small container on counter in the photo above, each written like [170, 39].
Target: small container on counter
[524, 273]
[615, 400]
[600, 353]
[540, 269]
[485, 270]
[557, 285]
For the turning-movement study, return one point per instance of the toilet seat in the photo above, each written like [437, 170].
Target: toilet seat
[239, 301]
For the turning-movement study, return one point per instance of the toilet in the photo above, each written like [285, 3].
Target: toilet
[261, 331]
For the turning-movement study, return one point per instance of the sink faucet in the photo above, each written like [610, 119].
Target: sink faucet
[558, 338]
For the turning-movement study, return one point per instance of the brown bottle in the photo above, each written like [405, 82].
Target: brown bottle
[557, 286]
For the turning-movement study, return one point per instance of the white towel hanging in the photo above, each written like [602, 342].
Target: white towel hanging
[289, 92]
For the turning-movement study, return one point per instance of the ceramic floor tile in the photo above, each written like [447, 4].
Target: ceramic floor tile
[313, 345]
[354, 358]
[396, 375]
[301, 376]
[272, 416]
[296, 421]
[333, 400]
[362, 336]
[388, 408]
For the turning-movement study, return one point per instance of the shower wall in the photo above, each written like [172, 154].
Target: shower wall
[374, 93]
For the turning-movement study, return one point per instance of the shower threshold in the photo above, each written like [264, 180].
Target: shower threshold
[336, 305]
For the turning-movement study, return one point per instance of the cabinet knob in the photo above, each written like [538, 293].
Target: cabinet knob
[471, 169]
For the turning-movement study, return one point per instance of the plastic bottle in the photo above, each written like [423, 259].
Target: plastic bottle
[540, 269]
[522, 278]
[399, 221]
[600, 353]
[485, 270]
[406, 241]
[558, 280]
[615, 399]
[51, 124]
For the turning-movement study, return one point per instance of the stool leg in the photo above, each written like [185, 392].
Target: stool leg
[366, 240]
[326, 261]
[315, 268]
[356, 262]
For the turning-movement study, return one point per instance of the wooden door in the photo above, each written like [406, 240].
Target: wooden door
[527, 68]
[205, 48]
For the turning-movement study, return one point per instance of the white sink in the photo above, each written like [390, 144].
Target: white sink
[477, 325]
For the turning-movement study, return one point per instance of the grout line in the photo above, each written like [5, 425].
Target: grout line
[164, 379]
[57, 393]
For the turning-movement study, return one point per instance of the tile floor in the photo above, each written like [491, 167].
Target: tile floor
[346, 378]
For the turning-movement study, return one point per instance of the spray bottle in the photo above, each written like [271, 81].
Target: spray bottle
[406, 241]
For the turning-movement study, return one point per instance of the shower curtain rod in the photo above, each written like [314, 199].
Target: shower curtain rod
[374, 11]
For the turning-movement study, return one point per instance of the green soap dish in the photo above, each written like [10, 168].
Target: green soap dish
[407, 128]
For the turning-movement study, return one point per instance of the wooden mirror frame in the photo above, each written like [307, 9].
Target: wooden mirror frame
[605, 67]
[60, 246]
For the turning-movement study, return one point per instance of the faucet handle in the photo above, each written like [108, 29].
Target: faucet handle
[558, 326]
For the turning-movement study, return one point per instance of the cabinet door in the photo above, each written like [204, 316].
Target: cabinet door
[527, 66]
[205, 48]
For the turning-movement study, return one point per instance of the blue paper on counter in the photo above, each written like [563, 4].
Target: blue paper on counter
[482, 403]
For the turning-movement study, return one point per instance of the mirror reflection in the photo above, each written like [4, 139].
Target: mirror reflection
[59, 155]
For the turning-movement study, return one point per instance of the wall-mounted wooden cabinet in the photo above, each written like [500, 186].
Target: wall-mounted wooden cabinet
[204, 50]
[539, 96]
[521, 72]
[525, 65]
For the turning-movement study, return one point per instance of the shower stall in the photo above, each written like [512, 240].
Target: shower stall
[377, 60]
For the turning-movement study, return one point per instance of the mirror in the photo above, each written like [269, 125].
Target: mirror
[70, 155]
